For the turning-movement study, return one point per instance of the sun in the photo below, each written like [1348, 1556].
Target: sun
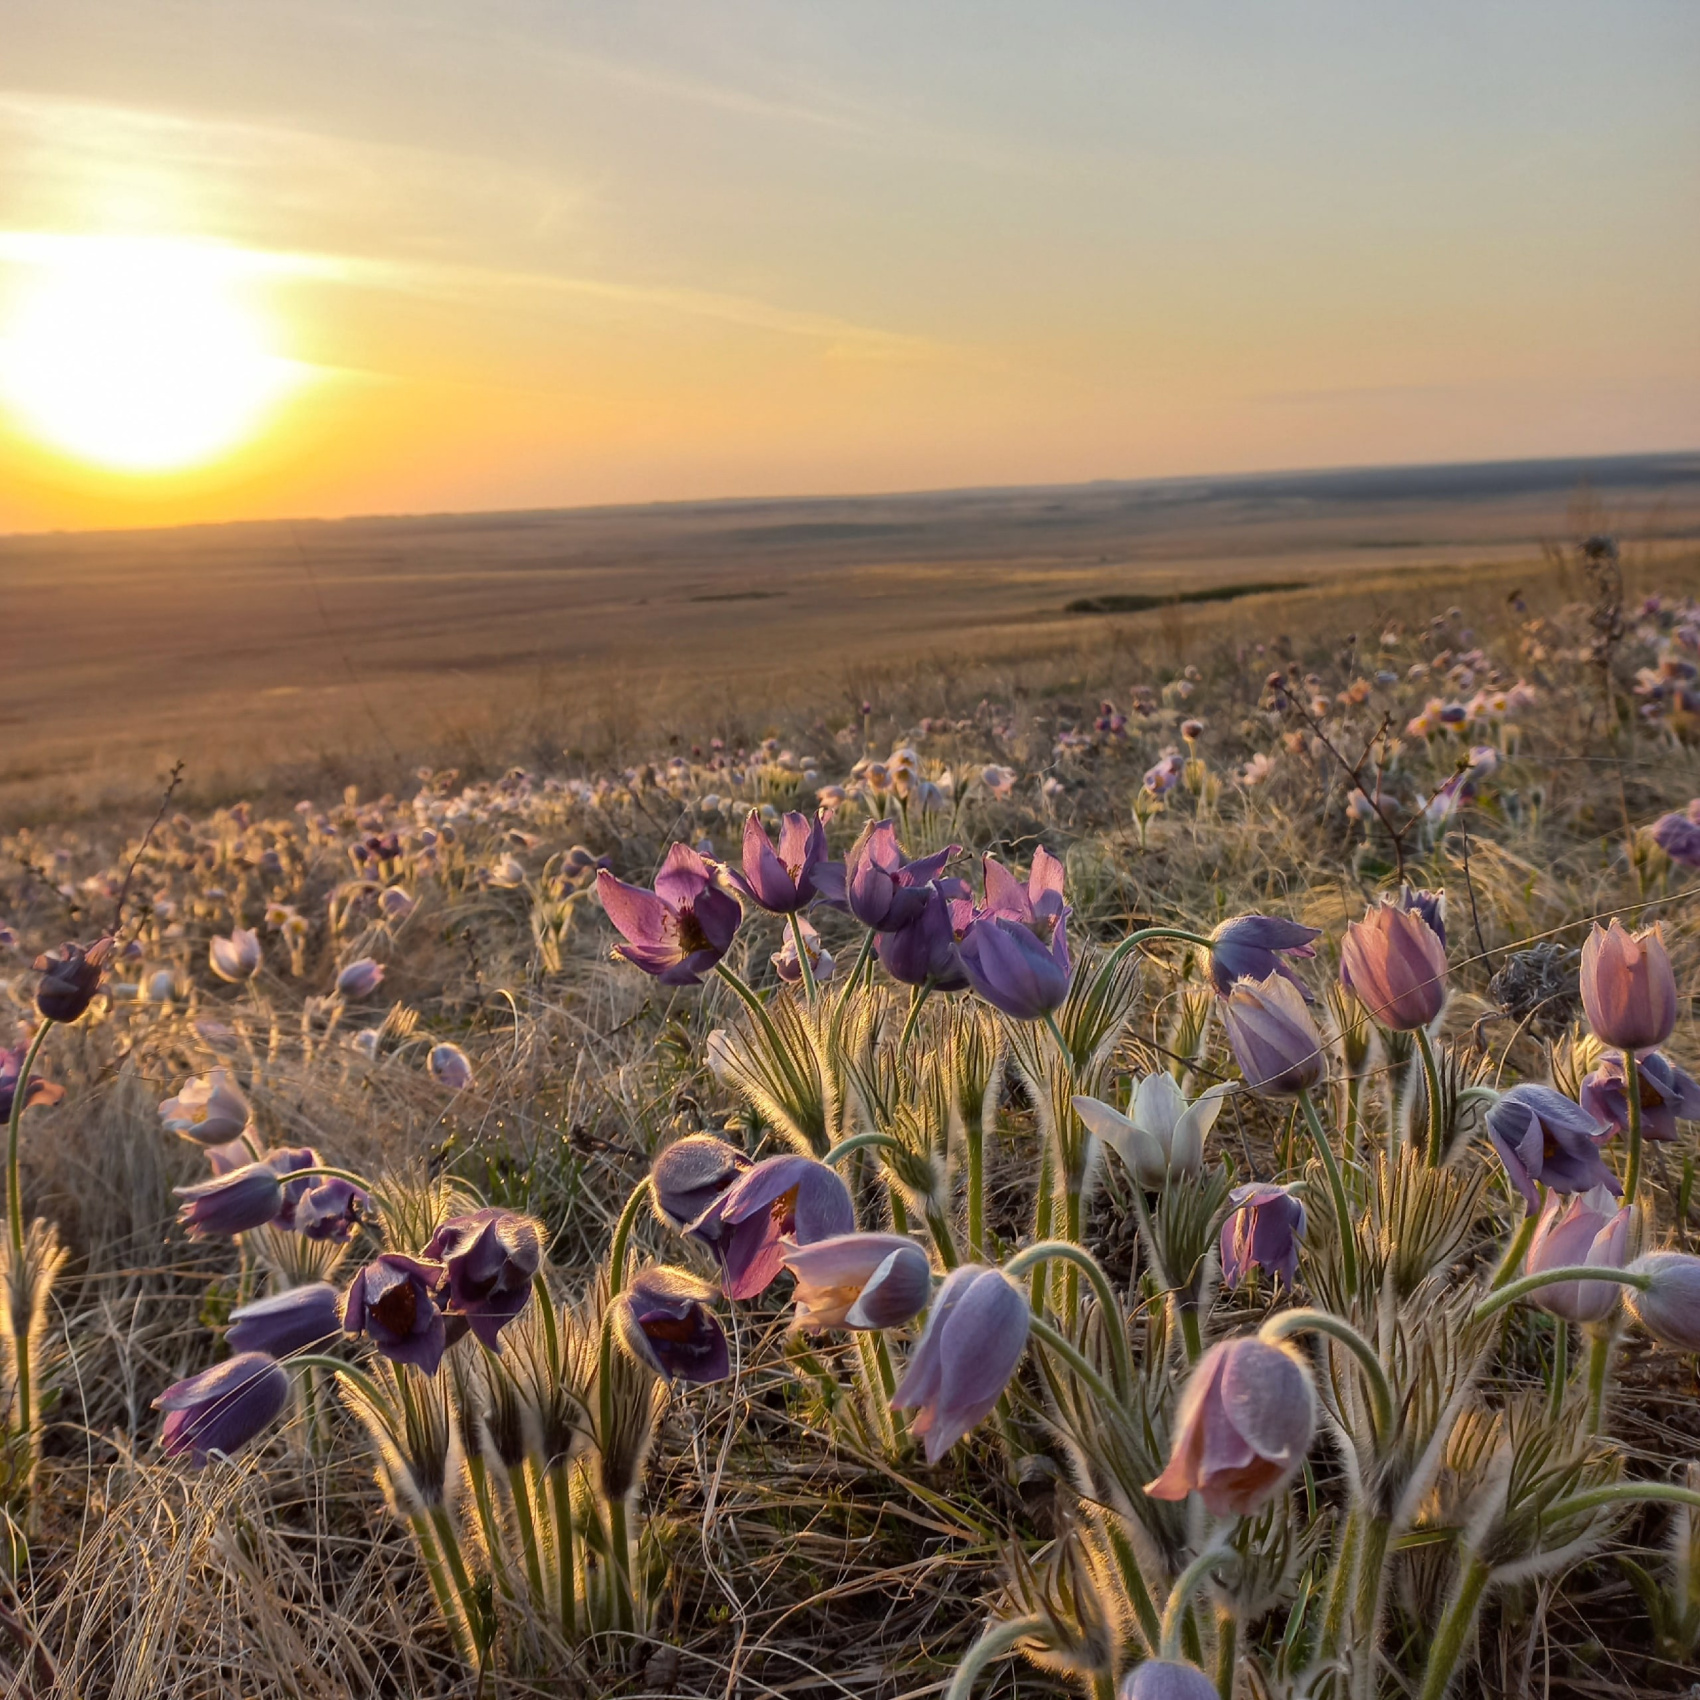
[142, 355]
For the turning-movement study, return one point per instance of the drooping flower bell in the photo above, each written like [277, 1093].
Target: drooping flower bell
[788, 1197]
[976, 1332]
[1667, 1095]
[489, 1258]
[236, 958]
[1628, 989]
[679, 931]
[247, 1197]
[330, 1209]
[291, 1321]
[393, 1302]
[1587, 1227]
[1244, 1424]
[1015, 948]
[1273, 1038]
[688, 1175]
[1670, 1308]
[882, 887]
[1394, 961]
[859, 1281]
[450, 1067]
[222, 1408]
[1262, 1231]
[1252, 947]
[210, 1110]
[663, 1319]
[782, 882]
[70, 977]
[1166, 1679]
[1678, 835]
[361, 978]
[1541, 1136]
[1162, 1135]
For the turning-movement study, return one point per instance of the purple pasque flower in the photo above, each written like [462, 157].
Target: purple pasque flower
[361, 978]
[790, 969]
[1431, 905]
[286, 1322]
[883, 888]
[1542, 1137]
[1252, 947]
[790, 1197]
[924, 950]
[1262, 1231]
[681, 929]
[284, 1164]
[974, 1338]
[222, 1408]
[1670, 1308]
[330, 1209]
[210, 1109]
[1628, 987]
[1588, 1227]
[1166, 774]
[1166, 1679]
[393, 1302]
[450, 1067]
[782, 882]
[1273, 1038]
[1245, 1421]
[245, 1198]
[1015, 947]
[1394, 962]
[490, 1257]
[70, 977]
[1678, 835]
[1667, 1094]
[237, 957]
[38, 1091]
[690, 1174]
[859, 1281]
[663, 1319]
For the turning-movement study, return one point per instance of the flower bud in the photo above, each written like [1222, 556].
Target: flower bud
[1670, 1308]
[663, 1319]
[1395, 962]
[70, 977]
[236, 958]
[1628, 988]
[290, 1321]
[1273, 1038]
[1585, 1228]
[222, 1408]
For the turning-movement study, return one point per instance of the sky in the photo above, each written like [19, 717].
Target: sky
[526, 253]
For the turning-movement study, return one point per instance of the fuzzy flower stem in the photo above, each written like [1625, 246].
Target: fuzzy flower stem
[1227, 1646]
[1436, 1117]
[917, 1001]
[459, 1575]
[860, 1142]
[1599, 1371]
[753, 1003]
[1290, 1323]
[1336, 1186]
[1108, 1304]
[1632, 1093]
[805, 968]
[459, 1630]
[1516, 1251]
[622, 1237]
[15, 1228]
[566, 1557]
[520, 1488]
[974, 1136]
[863, 957]
[1526, 1284]
[1456, 1624]
[1147, 935]
[1074, 1358]
[1622, 1493]
[1186, 1584]
[619, 1541]
[994, 1642]
[1340, 1586]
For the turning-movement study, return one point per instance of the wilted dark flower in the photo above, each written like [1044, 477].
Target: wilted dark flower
[782, 1197]
[209, 1109]
[664, 1320]
[1628, 988]
[1273, 1038]
[286, 1322]
[782, 883]
[490, 1257]
[1541, 1135]
[1244, 1424]
[688, 1175]
[976, 1332]
[1586, 1228]
[1537, 987]
[393, 1302]
[883, 888]
[1667, 1094]
[222, 1408]
[1252, 947]
[681, 929]
[70, 977]
[1262, 1232]
[859, 1281]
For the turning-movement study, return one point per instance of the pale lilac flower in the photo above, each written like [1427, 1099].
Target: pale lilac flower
[1542, 1137]
[1667, 1094]
[237, 957]
[450, 1067]
[788, 1197]
[210, 1109]
[787, 966]
[1670, 1309]
[1590, 1228]
[1273, 1038]
[1166, 1679]
[360, 979]
[1628, 989]
[1262, 1231]
[858, 1281]
[1252, 947]
[291, 1321]
[976, 1332]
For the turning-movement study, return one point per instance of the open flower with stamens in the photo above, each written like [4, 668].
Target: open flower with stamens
[1667, 1095]
[782, 1198]
[663, 1319]
[782, 881]
[393, 1302]
[210, 1109]
[679, 931]
[1252, 947]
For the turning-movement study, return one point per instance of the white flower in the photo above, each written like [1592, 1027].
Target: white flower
[1165, 1134]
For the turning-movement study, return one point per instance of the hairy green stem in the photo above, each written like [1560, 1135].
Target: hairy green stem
[566, 1555]
[1517, 1250]
[1622, 1493]
[1336, 1186]
[974, 1136]
[1436, 1116]
[1632, 1093]
[520, 1488]
[1526, 1284]
[1340, 1587]
[21, 1342]
[1599, 1367]
[1074, 1358]
[994, 1642]
[1457, 1624]
[1080, 1258]
[1227, 1651]
[460, 1631]
[1560, 1366]
[917, 1001]
[1174, 1613]
[1294, 1322]
[860, 1142]
[622, 1237]
[804, 967]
